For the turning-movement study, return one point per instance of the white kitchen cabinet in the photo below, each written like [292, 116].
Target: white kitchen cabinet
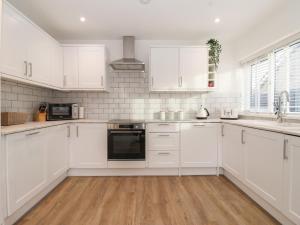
[292, 178]
[27, 51]
[88, 145]
[163, 141]
[233, 157]
[199, 145]
[91, 67]
[164, 69]
[84, 67]
[163, 159]
[57, 65]
[163, 127]
[70, 67]
[57, 151]
[263, 164]
[26, 170]
[14, 46]
[179, 68]
[194, 68]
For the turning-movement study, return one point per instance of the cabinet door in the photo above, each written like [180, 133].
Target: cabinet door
[88, 146]
[292, 179]
[164, 69]
[91, 67]
[26, 167]
[70, 67]
[194, 68]
[57, 65]
[163, 159]
[163, 141]
[199, 145]
[14, 43]
[263, 157]
[57, 151]
[232, 150]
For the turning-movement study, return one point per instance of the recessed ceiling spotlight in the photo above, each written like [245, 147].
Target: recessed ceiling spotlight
[145, 2]
[217, 20]
[82, 19]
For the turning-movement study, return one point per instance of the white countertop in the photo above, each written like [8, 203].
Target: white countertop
[5, 130]
[285, 128]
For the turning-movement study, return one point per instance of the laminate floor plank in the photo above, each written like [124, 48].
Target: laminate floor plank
[187, 200]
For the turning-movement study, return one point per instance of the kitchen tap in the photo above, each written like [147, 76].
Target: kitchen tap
[280, 106]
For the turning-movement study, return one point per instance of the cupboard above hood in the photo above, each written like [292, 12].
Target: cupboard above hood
[128, 63]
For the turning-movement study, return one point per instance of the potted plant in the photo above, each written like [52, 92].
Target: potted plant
[215, 49]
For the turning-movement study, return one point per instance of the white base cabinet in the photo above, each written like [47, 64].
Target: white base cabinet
[88, 145]
[292, 178]
[263, 164]
[199, 145]
[233, 156]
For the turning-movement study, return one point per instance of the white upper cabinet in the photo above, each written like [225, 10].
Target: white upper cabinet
[84, 67]
[70, 67]
[199, 145]
[14, 46]
[179, 68]
[91, 67]
[27, 52]
[292, 178]
[194, 68]
[232, 150]
[164, 69]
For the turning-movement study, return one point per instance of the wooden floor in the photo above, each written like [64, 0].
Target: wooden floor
[191, 200]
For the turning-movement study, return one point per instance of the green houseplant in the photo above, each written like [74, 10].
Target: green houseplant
[215, 49]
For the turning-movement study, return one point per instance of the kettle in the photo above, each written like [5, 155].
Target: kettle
[202, 113]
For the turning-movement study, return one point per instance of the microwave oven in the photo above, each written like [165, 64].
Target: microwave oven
[66, 111]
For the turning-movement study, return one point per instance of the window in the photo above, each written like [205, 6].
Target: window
[270, 76]
[260, 86]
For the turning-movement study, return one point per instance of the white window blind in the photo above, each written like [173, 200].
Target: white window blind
[259, 96]
[280, 78]
[294, 77]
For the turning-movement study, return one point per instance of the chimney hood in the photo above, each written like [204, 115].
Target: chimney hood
[128, 63]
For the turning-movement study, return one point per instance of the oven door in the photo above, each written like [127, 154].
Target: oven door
[59, 112]
[127, 145]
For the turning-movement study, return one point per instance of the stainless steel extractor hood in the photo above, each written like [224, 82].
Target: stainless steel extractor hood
[128, 63]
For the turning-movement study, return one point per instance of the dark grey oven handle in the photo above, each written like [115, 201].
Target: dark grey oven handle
[126, 132]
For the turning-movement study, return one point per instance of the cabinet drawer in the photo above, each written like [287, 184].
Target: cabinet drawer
[163, 141]
[163, 127]
[163, 159]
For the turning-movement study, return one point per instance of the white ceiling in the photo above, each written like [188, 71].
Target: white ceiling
[160, 19]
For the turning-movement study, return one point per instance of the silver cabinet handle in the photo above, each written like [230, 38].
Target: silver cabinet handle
[26, 68]
[222, 130]
[180, 81]
[77, 131]
[164, 153]
[199, 125]
[163, 124]
[69, 131]
[65, 81]
[242, 137]
[34, 133]
[285, 153]
[30, 69]
[101, 81]
[164, 135]
[152, 81]
[126, 132]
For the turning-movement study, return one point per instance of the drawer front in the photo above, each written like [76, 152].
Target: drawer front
[163, 141]
[163, 127]
[163, 159]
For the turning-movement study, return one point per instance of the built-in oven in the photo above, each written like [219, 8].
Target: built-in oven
[126, 141]
[66, 111]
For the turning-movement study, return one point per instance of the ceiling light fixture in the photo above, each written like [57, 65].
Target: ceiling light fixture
[82, 19]
[217, 20]
[145, 2]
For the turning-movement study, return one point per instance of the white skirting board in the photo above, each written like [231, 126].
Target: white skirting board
[143, 172]
[265, 205]
[24, 209]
